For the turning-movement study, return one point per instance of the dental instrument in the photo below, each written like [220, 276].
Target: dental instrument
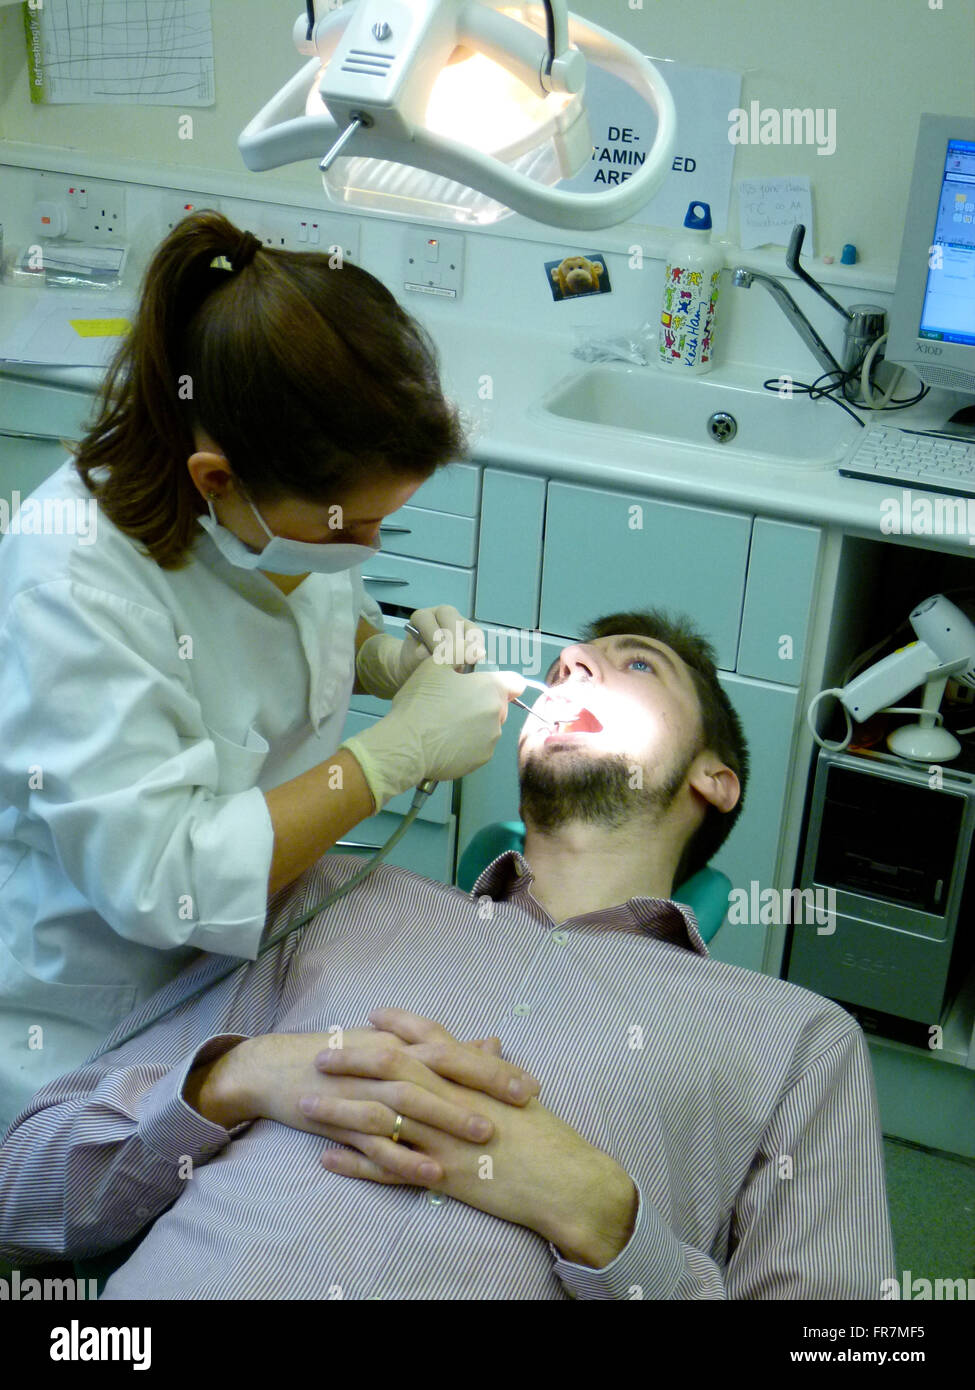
[536, 685]
[521, 705]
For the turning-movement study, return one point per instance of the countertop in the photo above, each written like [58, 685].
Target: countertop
[500, 376]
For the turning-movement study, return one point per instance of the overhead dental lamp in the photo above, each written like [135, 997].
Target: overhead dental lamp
[456, 110]
[945, 647]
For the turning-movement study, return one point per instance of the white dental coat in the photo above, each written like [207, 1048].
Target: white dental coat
[143, 712]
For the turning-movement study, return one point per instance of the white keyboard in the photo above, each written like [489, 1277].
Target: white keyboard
[937, 462]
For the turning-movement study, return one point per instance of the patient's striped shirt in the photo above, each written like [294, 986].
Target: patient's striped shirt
[741, 1106]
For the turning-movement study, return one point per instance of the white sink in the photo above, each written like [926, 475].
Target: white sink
[657, 404]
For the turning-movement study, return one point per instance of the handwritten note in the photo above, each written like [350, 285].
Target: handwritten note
[768, 209]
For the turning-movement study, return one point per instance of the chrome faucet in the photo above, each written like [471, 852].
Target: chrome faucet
[865, 323]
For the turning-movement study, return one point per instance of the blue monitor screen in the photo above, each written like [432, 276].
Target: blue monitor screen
[948, 313]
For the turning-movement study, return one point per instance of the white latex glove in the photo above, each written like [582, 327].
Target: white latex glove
[383, 663]
[442, 725]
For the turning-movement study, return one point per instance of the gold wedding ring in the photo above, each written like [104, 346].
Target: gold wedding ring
[396, 1129]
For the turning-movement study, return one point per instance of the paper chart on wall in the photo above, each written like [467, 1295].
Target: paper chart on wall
[121, 52]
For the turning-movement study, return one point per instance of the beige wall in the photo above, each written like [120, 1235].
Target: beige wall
[879, 63]
[253, 56]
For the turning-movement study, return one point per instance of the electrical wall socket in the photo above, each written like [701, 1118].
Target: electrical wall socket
[176, 206]
[295, 229]
[94, 210]
[434, 262]
[105, 212]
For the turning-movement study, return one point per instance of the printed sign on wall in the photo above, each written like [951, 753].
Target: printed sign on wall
[623, 127]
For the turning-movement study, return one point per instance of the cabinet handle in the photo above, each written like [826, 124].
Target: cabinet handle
[396, 530]
[381, 579]
[21, 434]
[361, 844]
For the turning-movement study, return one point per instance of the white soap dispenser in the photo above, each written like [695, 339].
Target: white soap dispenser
[686, 336]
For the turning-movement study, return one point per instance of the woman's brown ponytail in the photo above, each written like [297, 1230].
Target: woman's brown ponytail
[306, 372]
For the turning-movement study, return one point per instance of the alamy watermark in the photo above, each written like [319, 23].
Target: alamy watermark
[77, 1343]
[938, 1290]
[50, 516]
[504, 648]
[18, 1289]
[793, 125]
[927, 514]
[755, 906]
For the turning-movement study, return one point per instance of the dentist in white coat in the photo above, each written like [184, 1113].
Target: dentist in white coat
[174, 685]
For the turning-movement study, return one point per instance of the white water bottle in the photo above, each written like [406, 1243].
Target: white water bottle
[686, 336]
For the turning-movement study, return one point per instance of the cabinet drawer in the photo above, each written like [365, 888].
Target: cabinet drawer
[437, 805]
[510, 549]
[24, 465]
[781, 574]
[612, 552]
[450, 540]
[49, 412]
[769, 715]
[416, 584]
[455, 488]
[34, 418]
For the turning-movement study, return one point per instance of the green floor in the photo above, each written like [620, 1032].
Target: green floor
[932, 1210]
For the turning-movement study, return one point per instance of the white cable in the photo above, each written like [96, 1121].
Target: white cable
[825, 743]
[909, 709]
[867, 398]
[888, 709]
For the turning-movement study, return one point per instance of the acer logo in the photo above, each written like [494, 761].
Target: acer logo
[870, 965]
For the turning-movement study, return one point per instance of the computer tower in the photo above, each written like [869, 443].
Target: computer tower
[889, 847]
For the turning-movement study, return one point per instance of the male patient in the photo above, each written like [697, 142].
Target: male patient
[701, 1131]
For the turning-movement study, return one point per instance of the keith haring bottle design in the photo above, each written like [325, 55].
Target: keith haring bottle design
[686, 336]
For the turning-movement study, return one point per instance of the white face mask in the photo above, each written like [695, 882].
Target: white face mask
[282, 555]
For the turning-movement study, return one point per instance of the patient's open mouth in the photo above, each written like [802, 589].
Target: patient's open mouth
[581, 721]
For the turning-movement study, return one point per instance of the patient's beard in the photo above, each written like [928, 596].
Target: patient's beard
[593, 790]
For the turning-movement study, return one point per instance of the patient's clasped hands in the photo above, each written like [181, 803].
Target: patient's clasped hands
[463, 1132]
[310, 1081]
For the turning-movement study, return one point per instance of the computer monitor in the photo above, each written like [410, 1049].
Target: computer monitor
[932, 318]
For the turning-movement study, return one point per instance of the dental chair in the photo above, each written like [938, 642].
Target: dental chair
[705, 893]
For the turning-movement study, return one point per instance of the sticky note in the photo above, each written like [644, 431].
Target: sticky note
[770, 208]
[100, 328]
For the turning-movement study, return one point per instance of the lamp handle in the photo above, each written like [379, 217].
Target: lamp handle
[282, 133]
